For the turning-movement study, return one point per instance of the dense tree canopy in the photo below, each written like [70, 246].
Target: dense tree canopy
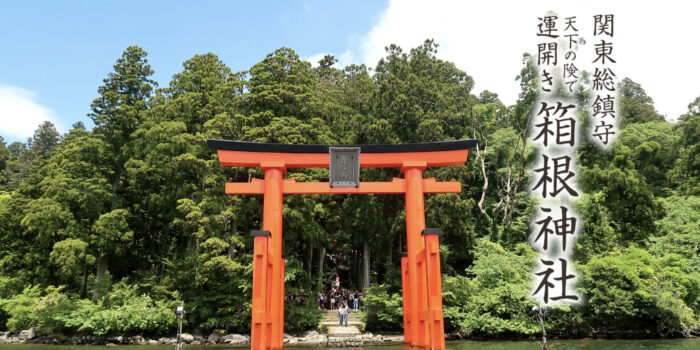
[132, 214]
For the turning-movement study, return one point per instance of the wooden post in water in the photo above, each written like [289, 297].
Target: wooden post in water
[180, 313]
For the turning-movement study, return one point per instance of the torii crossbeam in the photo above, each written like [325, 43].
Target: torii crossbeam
[420, 266]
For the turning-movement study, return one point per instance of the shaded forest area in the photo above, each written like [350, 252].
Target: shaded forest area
[105, 231]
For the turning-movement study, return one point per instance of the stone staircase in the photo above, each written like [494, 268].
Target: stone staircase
[341, 336]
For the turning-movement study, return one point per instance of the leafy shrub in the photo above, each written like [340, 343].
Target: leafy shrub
[216, 289]
[123, 311]
[8, 287]
[497, 299]
[301, 318]
[31, 309]
[383, 309]
[49, 309]
[633, 289]
[20, 308]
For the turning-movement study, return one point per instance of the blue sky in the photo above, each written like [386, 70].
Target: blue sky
[61, 50]
[54, 54]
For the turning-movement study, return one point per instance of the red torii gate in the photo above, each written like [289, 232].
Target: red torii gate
[420, 265]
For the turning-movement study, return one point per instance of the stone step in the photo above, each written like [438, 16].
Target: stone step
[349, 331]
[344, 337]
[328, 317]
[329, 324]
[345, 342]
[335, 315]
[336, 319]
[341, 336]
[334, 311]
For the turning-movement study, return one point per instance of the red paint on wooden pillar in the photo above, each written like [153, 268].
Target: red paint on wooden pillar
[405, 287]
[259, 329]
[272, 221]
[432, 264]
[415, 223]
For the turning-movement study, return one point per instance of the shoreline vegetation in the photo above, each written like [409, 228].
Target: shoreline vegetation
[105, 231]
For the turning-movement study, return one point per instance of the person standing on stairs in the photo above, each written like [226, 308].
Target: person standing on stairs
[321, 300]
[343, 314]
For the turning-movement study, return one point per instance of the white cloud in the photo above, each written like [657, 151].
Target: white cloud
[654, 42]
[20, 113]
[346, 58]
[315, 58]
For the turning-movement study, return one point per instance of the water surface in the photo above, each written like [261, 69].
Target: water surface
[581, 344]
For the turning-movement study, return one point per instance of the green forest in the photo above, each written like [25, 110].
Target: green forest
[106, 231]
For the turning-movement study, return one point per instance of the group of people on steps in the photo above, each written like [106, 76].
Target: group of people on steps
[342, 299]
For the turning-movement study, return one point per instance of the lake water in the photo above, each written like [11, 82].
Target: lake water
[587, 344]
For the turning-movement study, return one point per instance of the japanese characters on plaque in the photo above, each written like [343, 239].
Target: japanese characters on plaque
[557, 130]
